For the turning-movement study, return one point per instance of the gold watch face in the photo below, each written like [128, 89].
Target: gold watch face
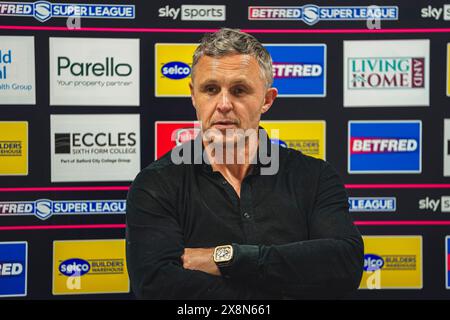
[223, 253]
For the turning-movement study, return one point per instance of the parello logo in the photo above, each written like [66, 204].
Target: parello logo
[88, 71]
[44, 10]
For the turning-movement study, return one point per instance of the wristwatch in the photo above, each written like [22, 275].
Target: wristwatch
[223, 255]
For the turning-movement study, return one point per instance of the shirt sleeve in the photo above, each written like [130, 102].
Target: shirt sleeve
[327, 265]
[154, 245]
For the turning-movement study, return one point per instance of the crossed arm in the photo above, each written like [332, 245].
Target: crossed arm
[327, 265]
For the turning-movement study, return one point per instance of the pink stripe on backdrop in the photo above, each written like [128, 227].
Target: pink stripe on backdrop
[122, 226]
[125, 188]
[190, 30]
[63, 227]
[43, 189]
[400, 186]
[402, 223]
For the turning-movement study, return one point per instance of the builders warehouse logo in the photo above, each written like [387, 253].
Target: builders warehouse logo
[43, 10]
[89, 267]
[392, 262]
[385, 146]
[309, 137]
[44, 208]
[13, 148]
[299, 70]
[311, 14]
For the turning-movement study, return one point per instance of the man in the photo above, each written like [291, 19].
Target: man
[218, 229]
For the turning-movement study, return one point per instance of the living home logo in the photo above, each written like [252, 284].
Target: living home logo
[95, 147]
[45, 208]
[89, 267]
[13, 148]
[398, 259]
[299, 70]
[386, 73]
[17, 78]
[383, 73]
[44, 10]
[87, 71]
[372, 204]
[311, 14]
[194, 12]
[173, 63]
[13, 269]
[385, 146]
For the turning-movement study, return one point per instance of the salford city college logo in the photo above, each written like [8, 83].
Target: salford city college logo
[385, 146]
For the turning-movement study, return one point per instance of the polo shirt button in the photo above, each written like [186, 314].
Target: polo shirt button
[246, 215]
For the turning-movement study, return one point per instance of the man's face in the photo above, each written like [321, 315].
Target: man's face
[229, 93]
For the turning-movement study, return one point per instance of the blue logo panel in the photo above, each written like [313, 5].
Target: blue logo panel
[299, 70]
[13, 269]
[385, 146]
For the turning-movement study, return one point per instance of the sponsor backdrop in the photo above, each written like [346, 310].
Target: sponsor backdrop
[92, 93]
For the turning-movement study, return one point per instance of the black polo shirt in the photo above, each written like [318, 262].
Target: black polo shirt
[292, 233]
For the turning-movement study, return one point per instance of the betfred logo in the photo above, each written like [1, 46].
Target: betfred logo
[13, 269]
[386, 73]
[368, 145]
[169, 134]
[385, 146]
[299, 70]
[173, 63]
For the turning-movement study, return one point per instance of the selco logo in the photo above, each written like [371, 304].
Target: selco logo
[77, 267]
[176, 70]
[185, 134]
[279, 142]
[372, 262]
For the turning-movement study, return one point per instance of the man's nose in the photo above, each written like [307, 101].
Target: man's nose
[224, 104]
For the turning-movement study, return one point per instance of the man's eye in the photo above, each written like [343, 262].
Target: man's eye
[238, 91]
[211, 89]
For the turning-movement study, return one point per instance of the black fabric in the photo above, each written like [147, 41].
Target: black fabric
[292, 233]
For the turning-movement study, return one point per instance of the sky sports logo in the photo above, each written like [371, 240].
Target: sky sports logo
[311, 14]
[44, 208]
[385, 146]
[194, 12]
[299, 70]
[43, 10]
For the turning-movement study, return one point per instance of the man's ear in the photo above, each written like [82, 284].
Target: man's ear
[191, 88]
[269, 98]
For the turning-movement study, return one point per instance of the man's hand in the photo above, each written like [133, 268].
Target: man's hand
[200, 259]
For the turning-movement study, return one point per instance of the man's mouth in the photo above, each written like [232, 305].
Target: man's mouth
[225, 124]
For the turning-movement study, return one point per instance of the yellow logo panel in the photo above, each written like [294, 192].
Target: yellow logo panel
[89, 266]
[305, 136]
[392, 262]
[173, 62]
[448, 69]
[14, 148]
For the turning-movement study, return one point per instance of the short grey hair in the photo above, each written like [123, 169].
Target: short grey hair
[230, 41]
